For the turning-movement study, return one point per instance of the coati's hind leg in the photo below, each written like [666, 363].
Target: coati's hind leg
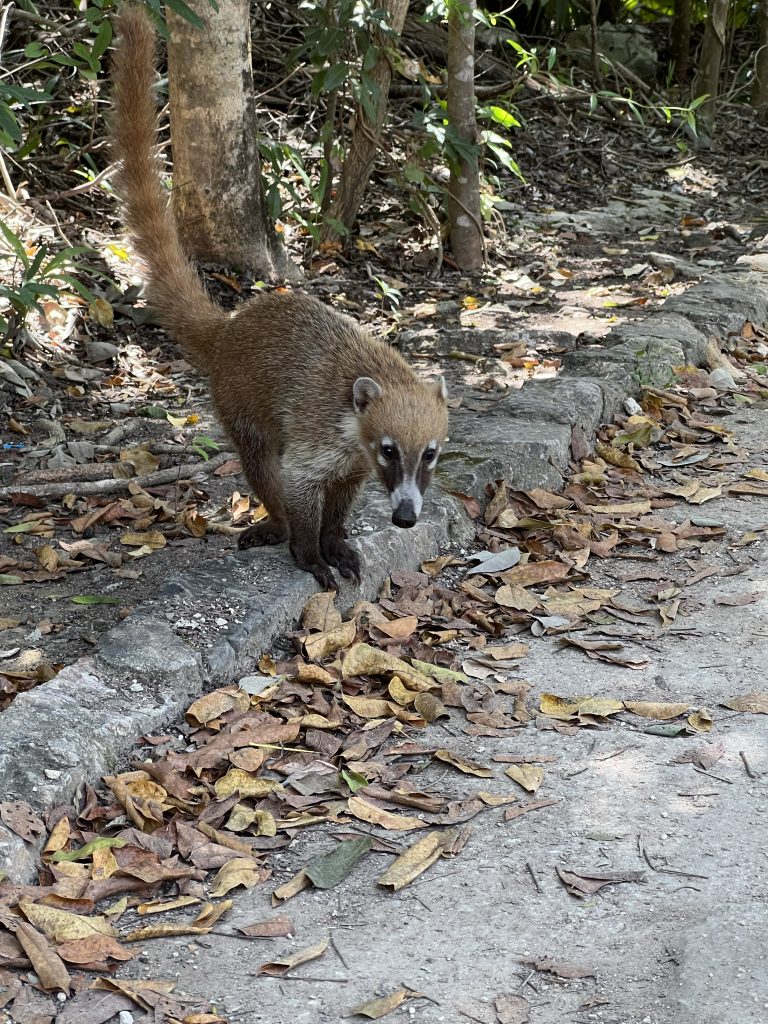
[339, 498]
[263, 474]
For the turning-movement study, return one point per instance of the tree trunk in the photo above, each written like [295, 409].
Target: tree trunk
[760, 85]
[681, 40]
[464, 216]
[366, 135]
[218, 199]
[707, 80]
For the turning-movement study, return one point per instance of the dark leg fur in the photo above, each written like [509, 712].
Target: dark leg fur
[262, 472]
[304, 512]
[339, 497]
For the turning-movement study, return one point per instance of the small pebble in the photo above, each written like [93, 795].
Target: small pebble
[135, 687]
[125, 1017]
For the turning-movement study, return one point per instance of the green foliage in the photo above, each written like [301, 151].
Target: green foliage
[203, 446]
[41, 274]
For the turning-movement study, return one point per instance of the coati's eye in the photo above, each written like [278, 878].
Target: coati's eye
[429, 454]
[387, 452]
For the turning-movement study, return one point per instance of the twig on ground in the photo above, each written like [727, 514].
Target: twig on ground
[162, 476]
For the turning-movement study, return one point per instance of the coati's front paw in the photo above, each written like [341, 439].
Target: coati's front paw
[337, 552]
[261, 535]
[313, 562]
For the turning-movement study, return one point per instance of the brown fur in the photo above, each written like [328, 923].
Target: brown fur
[282, 367]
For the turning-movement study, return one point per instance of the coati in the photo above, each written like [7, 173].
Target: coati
[312, 402]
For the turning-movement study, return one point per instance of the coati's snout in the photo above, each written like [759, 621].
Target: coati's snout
[405, 516]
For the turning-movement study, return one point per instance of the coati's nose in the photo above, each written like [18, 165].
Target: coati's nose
[405, 515]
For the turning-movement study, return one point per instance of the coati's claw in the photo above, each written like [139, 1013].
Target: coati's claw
[324, 576]
[261, 535]
[338, 553]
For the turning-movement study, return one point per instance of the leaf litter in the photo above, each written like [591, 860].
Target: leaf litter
[326, 737]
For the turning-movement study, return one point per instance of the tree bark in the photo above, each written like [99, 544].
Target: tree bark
[707, 80]
[681, 40]
[760, 85]
[464, 218]
[366, 135]
[218, 199]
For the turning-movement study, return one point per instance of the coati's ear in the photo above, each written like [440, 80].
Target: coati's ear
[441, 389]
[364, 390]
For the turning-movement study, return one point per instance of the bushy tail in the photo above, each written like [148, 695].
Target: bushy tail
[174, 289]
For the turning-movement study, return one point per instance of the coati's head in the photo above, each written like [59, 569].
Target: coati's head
[402, 430]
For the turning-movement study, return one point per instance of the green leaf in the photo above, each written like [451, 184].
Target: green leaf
[331, 868]
[354, 780]
[665, 729]
[99, 843]
[24, 527]
[93, 599]
[8, 580]
[503, 117]
[103, 39]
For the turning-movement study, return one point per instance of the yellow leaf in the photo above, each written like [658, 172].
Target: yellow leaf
[363, 660]
[399, 693]
[416, 859]
[320, 613]
[247, 785]
[240, 871]
[213, 705]
[320, 645]
[529, 776]
[652, 709]
[291, 888]
[376, 1008]
[152, 539]
[61, 926]
[701, 721]
[366, 811]
[101, 311]
[161, 906]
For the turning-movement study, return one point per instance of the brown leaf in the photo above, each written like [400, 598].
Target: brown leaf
[273, 928]
[215, 704]
[561, 969]
[46, 962]
[276, 968]
[587, 884]
[535, 572]
[61, 926]
[705, 756]
[658, 711]
[529, 776]
[21, 819]
[92, 949]
[464, 764]
[511, 1009]
[516, 812]
[753, 703]
[320, 613]
[399, 629]
[739, 600]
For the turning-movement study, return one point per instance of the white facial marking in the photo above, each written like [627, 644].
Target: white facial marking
[407, 491]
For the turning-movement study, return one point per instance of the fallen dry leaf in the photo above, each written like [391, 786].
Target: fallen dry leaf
[278, 967]
[374, 1009]
[583, 884]
[464, 764]
[529, 776]
[753, 703]
[416, 859]
[21, 819]
[241, 871]
[511, 1009]
[366, 811]
[46, 962]
[273, 928]
[517, 812]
